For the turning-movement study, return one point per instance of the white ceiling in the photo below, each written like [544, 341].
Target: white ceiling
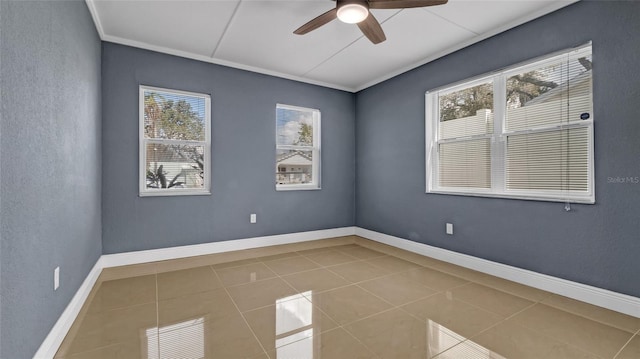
[257, 35]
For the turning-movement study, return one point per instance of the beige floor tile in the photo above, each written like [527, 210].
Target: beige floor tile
[291, 265]
[187, 281]
[343, 246]
[599, 314]
[412, 257]
[321, 243]
[428, 261]
[508, 286]
[330, 258]
[273, 257]
[222, 259]
[112, 327]
[237, 263]
[631, 350]
[315, 250]
[287, 321]
[260, 294]
[397, 289]
[316, 280]
[396, 334]
[591, 336]
[135, 270]
[458, 317]
[230, 338]
[393, 264]
[491, 299]
[125, 350]
[244, 274]
[509, 341]
[359, 271]
[347, 304]
[334, 344]
[435, 279]
[359, 252]
[268, 251]
[197, 338]
[124, 292]
[188, 263]
[376, 246]
[458, 271]
[211, 305]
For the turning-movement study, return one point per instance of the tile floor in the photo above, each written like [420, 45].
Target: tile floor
[339, 298]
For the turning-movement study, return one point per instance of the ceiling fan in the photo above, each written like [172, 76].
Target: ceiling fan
[357, 12]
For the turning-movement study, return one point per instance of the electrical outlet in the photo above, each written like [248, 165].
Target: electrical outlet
[449, 228]
[56, 278]
[253, 218]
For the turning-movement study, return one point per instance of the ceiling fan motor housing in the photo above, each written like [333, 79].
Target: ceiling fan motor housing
[352, 11]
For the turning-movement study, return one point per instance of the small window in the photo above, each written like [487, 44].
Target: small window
[297, 148]
[525, 132]
[175, 142]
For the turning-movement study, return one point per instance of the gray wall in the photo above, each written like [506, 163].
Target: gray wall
[243, 156]
[50, 164]
[593, 244]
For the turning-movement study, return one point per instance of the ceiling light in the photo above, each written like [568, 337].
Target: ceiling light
[353, 13]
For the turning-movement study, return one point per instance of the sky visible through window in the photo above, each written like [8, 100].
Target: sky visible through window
[289, 123]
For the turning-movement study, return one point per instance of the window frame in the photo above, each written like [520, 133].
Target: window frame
[143, 191]
[315, 150]
[500, 136]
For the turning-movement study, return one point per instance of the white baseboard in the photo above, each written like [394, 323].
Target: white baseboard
[601, 297]
[52, 342]
[154, 255]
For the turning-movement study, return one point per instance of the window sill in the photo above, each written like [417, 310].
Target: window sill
[582, 200]
[173, 193]
[297, 188]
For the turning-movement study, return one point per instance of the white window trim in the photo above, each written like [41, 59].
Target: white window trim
[316, 151]
[146, 192]
[498, 138]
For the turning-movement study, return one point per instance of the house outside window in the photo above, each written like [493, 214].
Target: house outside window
[525, 132]
[297, 148]
[175, 142]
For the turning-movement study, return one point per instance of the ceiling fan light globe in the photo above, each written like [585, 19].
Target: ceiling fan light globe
[352, 13]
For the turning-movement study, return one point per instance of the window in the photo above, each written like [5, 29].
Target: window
[175, 142]
[297, 148]
[525, 132]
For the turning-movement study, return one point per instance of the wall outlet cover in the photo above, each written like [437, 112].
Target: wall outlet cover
[56, 278]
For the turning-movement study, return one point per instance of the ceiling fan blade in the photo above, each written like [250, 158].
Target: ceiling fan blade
[403, 4]
[371, 28]
[317, 22]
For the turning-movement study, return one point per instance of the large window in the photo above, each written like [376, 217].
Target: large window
[524, 132]
[175, 142]
[297, 148]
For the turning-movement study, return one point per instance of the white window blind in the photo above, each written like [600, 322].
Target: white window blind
[524, 132]
[466, 164]
[174, 142]
[555, 160]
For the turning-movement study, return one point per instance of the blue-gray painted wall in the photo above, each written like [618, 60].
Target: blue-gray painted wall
[594, 244]
[50, 164]
[243, 156]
